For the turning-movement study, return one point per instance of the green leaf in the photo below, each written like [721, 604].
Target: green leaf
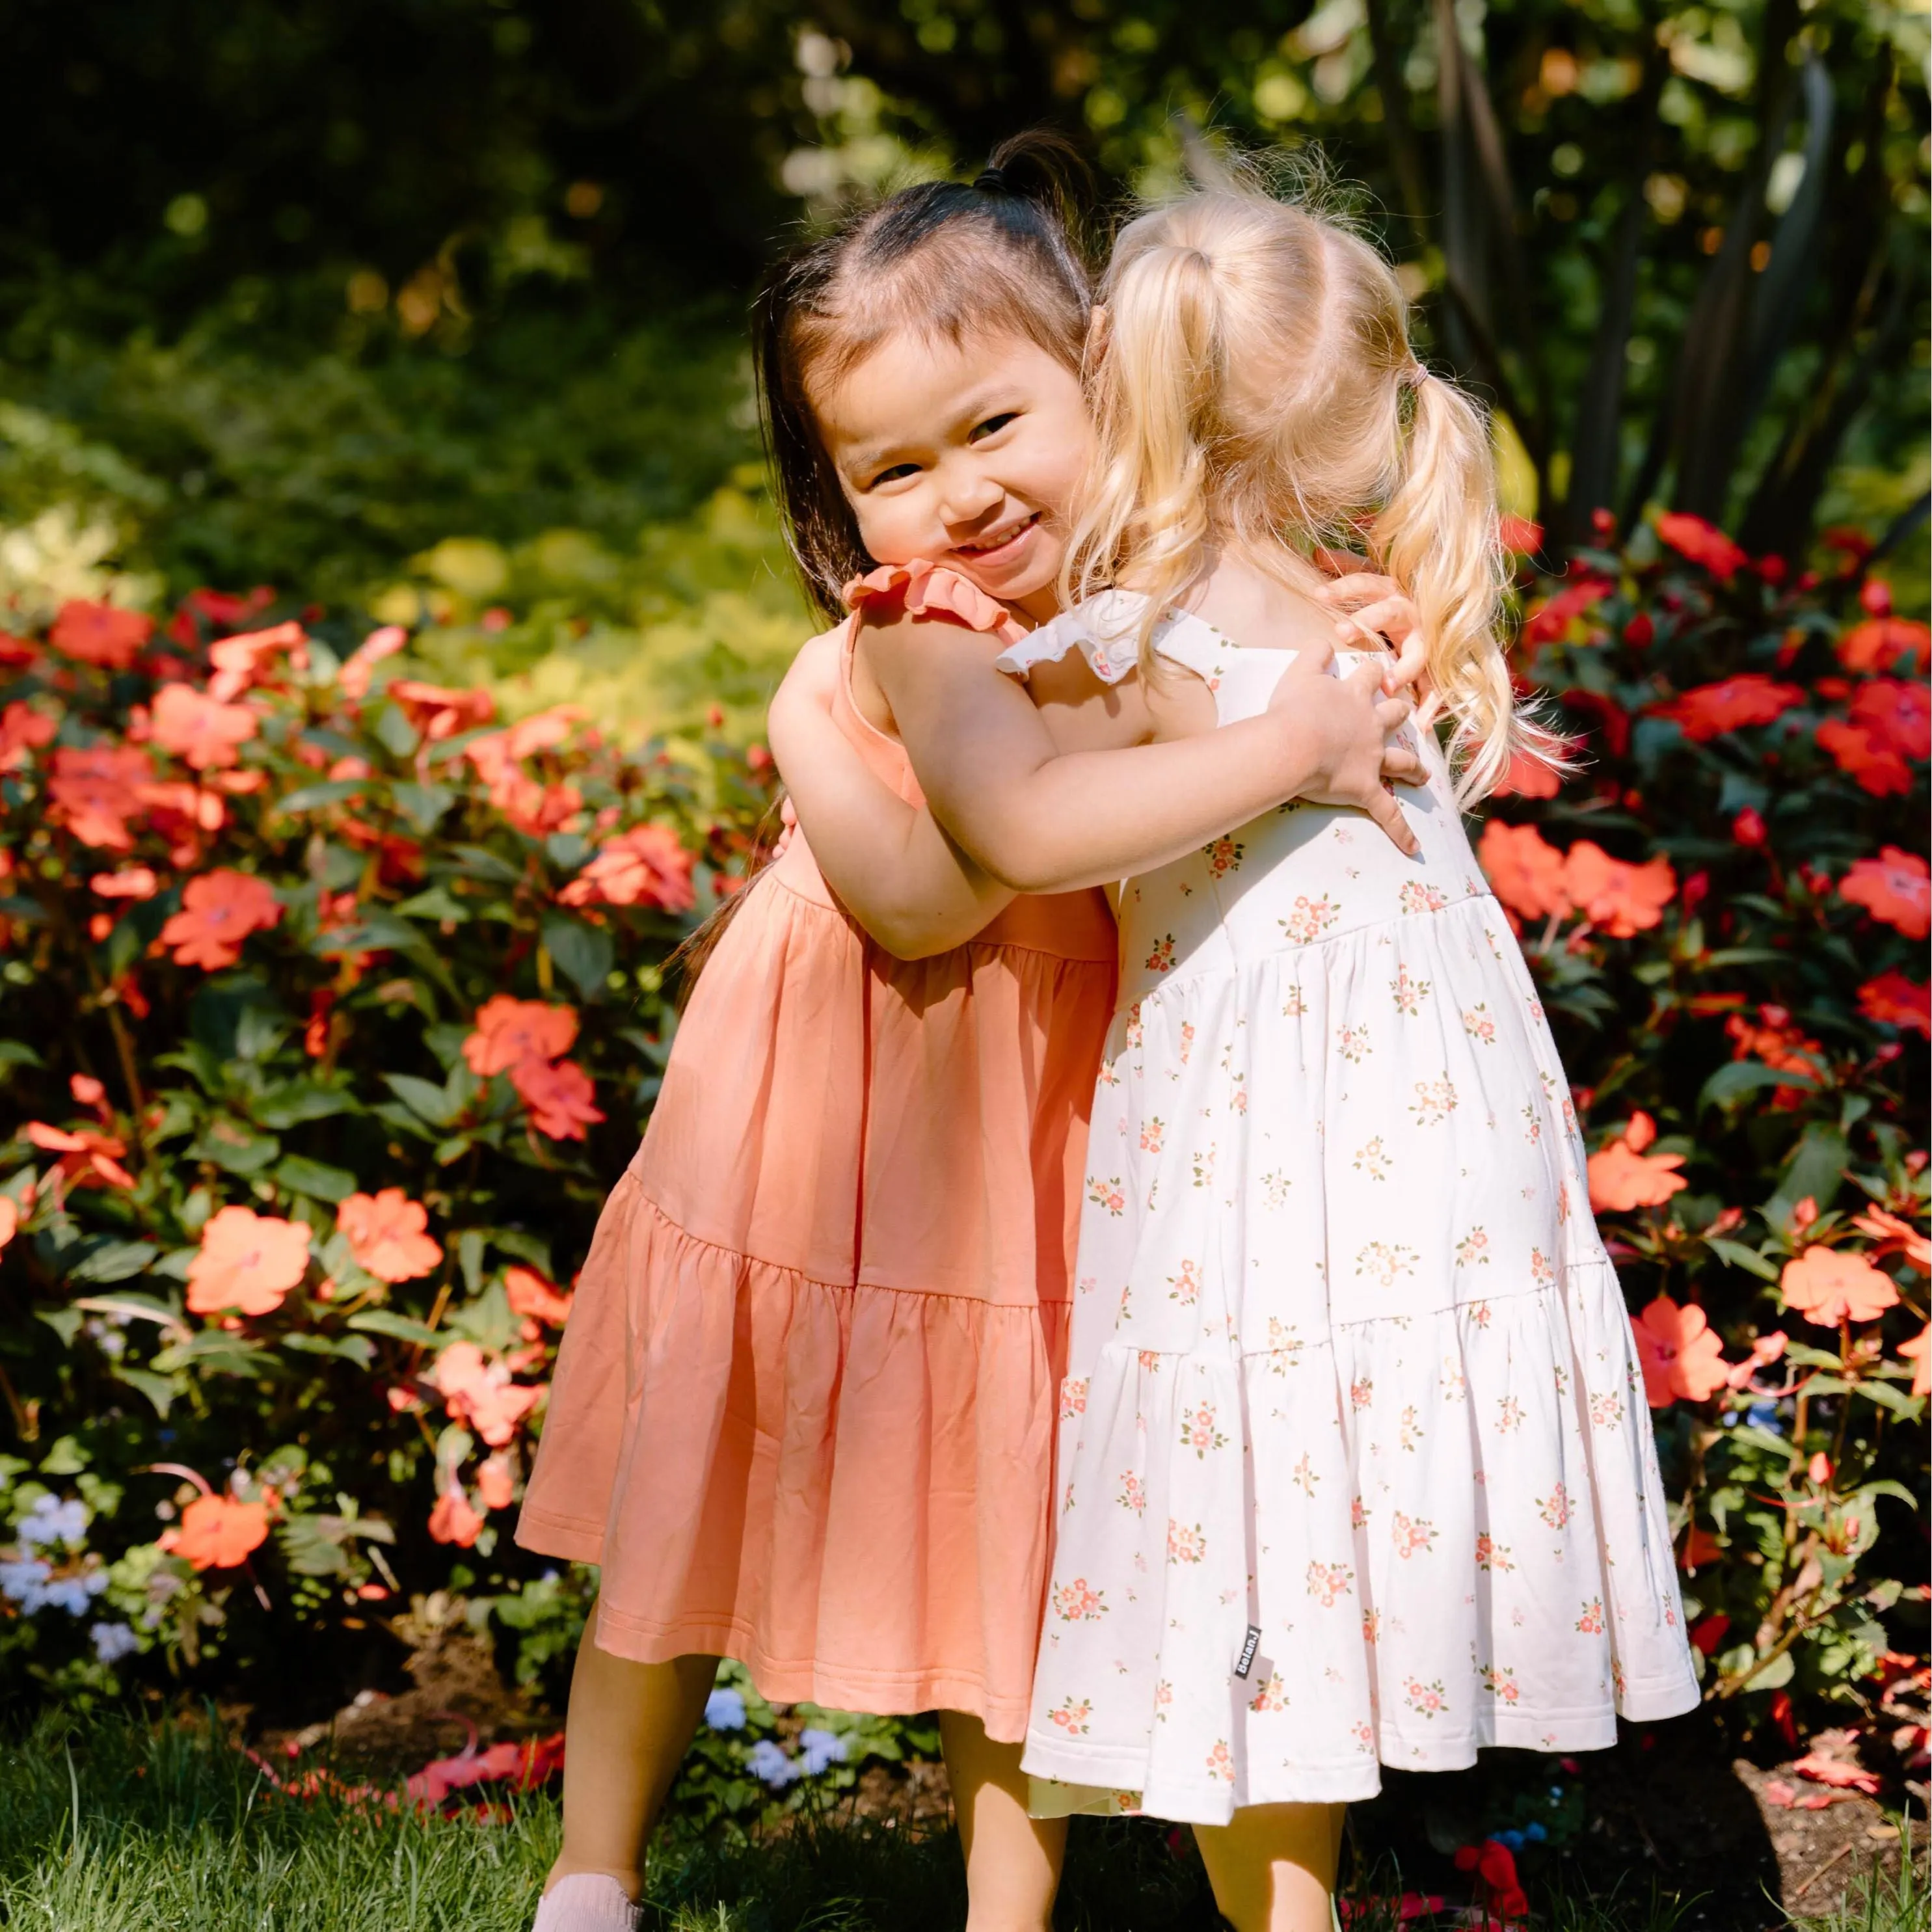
[18, 1053]
[315, 1178]
[393, 731]
[159, 1390]
[218, 1352]
[1816, 1169]
[356, 1349]
[242, 1155]
[293, 1102]
[584, 953]
[477, 862]
[1774, 1676]
[114, 1261]
[1732, 1082]
[422, 805]
[397, 1328]
[314, 797]
[65, 1322]
[1736, 1254]
[436, 1105]
[436, 903]
[131, 1305]
[1896, 1399]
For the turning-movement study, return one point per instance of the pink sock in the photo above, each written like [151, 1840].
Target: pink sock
[585, 1902]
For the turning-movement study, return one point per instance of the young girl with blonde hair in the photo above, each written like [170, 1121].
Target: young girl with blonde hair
[803, 1414]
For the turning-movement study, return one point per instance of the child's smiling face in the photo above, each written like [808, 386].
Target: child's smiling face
[964, 453]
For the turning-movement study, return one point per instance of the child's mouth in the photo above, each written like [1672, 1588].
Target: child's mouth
[994, 548]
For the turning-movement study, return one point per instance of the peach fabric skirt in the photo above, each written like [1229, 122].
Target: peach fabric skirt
[804, 1412]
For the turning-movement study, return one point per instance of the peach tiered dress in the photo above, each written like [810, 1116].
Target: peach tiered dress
[803, 1414]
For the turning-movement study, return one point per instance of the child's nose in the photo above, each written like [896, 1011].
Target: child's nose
[965, 496]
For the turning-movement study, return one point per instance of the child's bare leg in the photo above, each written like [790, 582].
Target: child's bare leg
[628, 1727]
[1012, 1861]
[1272, 1866]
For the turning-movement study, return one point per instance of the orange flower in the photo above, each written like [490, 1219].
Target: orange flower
[536, 810]
[1528, 778]
[1525, 871]
[1895, 1237]
[438, 711]
[531, 1296]
[385, 1235]
[131, 882]
[496, 1482]
[1885, 644]
[1892, 1000]
[219, 911]
[359, 667]
[509, 1031]
[98, 634]
[22, 731]
[1710, 710]
[1681, 1356]
[645, 863]
[1895, 887]
[1827, 1286]
[241, 660]
[94, 791]
[1703, 543]
[86, 1155]
[200, 730]
[248, 1262]
[1519, 535]
[480, 1394]
[558, 1097]
[495, 755]
[1622, 1176]
[1621, 899]
[217, 1532]
[1915, 1352]
[452, 1520]
[10, 1219]
[1777, 1044]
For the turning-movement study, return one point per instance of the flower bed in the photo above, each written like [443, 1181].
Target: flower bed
[332, 1005]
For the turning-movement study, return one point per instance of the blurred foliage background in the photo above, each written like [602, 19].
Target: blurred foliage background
[435, 308]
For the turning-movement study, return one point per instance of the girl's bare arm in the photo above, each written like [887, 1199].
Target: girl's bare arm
[1041, 820]
[893, 867]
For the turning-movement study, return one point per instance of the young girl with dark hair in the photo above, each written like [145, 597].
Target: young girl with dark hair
[804, 1412]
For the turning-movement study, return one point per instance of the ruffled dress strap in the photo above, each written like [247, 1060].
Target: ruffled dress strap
[930, 590]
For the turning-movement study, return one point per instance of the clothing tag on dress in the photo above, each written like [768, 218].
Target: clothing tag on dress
[1248, 1648]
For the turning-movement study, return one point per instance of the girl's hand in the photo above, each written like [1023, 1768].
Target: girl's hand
[1344, 723]
[1377, 613]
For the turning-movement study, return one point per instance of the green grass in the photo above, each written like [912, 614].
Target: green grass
[107, 1826]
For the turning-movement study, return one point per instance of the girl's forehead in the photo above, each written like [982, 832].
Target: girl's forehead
[911, 376]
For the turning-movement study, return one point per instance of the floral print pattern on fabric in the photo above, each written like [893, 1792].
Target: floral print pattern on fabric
[1398, 1429]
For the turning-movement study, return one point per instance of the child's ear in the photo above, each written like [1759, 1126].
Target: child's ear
[1100, 333]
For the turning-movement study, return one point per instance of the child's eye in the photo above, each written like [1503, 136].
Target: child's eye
[993, 424]
[893, 474]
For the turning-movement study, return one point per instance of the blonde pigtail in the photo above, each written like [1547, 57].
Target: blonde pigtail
[1155, 393]
[1437, 536]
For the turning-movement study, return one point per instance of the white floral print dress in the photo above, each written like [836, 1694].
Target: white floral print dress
[1355, 1464]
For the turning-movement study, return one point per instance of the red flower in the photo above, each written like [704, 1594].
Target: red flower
[1747, 828]
[452, 1520]
[217, 1532]
[1895, 887]
[22, 731]
[1552, 619]
[1681, 1357]
[248, 1262]
[1897, 713]
[558, 1097]
[438, 711]
[1703, 543]
[9, 1220]
[1828, 1286]
[1622, 1176]
[645, 863]
[98, 634]
[219, 911]
[1918, 1353]
[1892, 1000]
[1886, 643]
[1710, 710]
[87, 1155]
[359, 667]
[510, 1031]
[385, 1235]
[496, 1483]
[131, 882]
[1519, 535]
[1528, 778]
[241, 661]
[94, 791]
[1525, 871]
[1621, 899]
[200, 730]
[480, 1394]
[1778, 1044]
[536, 1299]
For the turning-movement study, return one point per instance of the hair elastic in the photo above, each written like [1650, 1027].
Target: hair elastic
[1414, 376]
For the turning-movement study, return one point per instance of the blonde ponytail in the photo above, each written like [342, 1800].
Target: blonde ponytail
[1156, 398]
[1254, 391]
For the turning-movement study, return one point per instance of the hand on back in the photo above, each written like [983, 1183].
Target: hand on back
[1345, 723]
